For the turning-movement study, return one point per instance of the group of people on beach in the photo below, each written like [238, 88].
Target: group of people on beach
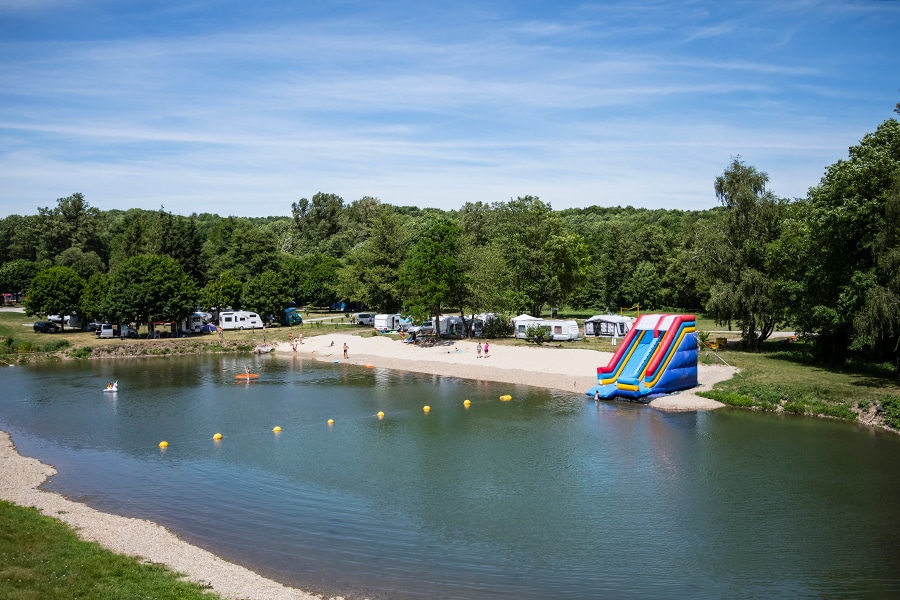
[295, 341]
[485, 348]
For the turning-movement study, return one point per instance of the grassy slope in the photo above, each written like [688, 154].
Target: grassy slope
[41, 558]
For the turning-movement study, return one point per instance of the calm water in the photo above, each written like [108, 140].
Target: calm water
[546, 496]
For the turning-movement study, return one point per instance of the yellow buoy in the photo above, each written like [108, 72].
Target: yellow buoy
[218, 436]
[331, 421]
[426, 408]
[466, 403]
[163, 444]
[380, 415]
[276, 429]
[506, 397]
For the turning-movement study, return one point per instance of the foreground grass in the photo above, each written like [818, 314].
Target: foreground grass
[42, 558]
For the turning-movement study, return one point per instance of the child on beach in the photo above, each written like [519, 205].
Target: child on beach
[485, 349]
[346, 348]
[478, 350]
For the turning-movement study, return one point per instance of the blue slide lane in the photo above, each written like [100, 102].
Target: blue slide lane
[657, 357]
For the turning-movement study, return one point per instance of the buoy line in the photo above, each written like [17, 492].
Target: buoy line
[304, 423]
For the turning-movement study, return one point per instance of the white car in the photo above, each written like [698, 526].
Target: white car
[365, 319]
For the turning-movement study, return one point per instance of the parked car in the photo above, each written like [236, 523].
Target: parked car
[365, 319]
[426, 328]
[46, 327]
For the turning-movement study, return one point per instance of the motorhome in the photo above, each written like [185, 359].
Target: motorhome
[239, 319]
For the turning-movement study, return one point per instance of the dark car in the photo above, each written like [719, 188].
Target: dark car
[46, 327]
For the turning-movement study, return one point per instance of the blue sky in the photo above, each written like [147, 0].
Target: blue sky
[241, 108]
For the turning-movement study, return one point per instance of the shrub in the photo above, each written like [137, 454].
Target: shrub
[496, 328]
[538, 335]
[891, 406]
[56, 345]
[83, 352]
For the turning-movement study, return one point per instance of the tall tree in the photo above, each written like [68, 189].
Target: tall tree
[742, 288]
[148, 288]
[432, 275]
[371, 273]
[318, 221]
[56, 291]
[829, 247]
[547, 261]
[267, 294]
[222, 293]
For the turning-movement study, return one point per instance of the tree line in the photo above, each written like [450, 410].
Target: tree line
[827, 266]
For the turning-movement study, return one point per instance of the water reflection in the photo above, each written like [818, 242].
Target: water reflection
[542, 496]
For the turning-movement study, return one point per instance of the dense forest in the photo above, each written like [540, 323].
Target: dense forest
[827, 265]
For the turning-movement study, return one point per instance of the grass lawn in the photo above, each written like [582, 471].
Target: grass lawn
[42, 559]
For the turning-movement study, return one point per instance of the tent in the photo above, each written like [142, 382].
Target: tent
[608, 325]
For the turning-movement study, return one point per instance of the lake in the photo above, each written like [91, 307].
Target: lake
[543, 496]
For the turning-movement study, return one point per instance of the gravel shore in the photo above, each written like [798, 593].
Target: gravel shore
[568, 370]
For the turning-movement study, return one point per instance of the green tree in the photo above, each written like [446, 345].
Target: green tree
[72, 223]
[547, 261]
[19, 238]
[267, 294]
[371, 273]
[94, 299]
[83, 263]
[222, 293]
[742, 289]
[829, 253]
[312, 278]
[16, 275]
[252, 249]
[149, 288]
[432, 275]
[54, 291]
[877, 324]
[318, 222]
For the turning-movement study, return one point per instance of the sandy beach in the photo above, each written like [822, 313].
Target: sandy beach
[568, 370]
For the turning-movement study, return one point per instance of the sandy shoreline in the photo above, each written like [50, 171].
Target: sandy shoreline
[567, 370]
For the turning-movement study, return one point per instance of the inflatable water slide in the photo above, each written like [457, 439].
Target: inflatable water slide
[658, 356]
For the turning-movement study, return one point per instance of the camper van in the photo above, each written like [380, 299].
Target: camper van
[239, 319]
[386, 322]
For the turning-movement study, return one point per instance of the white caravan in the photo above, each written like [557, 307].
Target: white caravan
[560, 331]
[239, 319]
[386, 322]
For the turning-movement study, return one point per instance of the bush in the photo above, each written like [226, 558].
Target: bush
[496, 328]
[891, 406]
[537, 334]
[84, 352]
[56, 345]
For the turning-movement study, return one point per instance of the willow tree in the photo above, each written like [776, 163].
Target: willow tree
[742, 290]
[877, 324]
